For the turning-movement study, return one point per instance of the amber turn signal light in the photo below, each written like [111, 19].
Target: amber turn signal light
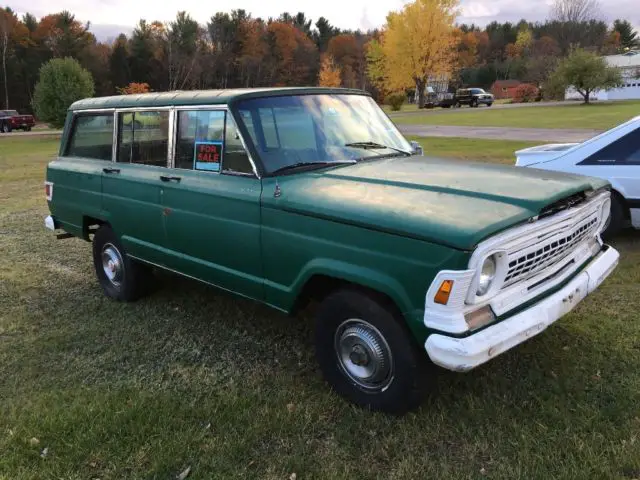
[442, 296]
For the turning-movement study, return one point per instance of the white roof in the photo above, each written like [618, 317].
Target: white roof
[627, 59]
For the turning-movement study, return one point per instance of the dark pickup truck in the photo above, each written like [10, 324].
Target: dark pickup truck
[12, 120]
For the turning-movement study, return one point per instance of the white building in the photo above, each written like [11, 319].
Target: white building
[629, 64]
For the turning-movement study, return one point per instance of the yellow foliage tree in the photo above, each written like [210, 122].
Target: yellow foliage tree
[330, 74]
[418, 43]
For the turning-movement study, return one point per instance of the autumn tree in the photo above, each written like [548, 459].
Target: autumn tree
[330, 74]
[347, 53]
[134, 88]
[416, 44]
[586, 72]
[63, 35]
[290, 55]
[253, 50]
[467, 48]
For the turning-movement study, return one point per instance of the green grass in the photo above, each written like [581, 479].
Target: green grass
[496, 151]
[598, 116]
[191, 376]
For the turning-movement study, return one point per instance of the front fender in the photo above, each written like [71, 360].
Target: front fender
[356, 274]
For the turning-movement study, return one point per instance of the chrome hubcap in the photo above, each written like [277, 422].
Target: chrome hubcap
[112, 264]
[364, 355]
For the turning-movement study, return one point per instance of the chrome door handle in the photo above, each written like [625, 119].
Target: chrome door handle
[111, 170]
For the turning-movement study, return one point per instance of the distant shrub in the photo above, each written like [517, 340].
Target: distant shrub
[62, 82]
[396, 100]
[525, 93]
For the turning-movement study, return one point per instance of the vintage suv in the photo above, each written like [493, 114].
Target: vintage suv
[285, 195]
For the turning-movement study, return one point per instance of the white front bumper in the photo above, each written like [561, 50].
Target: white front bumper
[463, 354]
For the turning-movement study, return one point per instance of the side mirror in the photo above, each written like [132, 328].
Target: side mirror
[416, 148]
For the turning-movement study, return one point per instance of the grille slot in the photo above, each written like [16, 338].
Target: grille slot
[549, 252]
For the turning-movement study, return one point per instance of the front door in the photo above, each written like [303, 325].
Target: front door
[211, 205]
[131, 185]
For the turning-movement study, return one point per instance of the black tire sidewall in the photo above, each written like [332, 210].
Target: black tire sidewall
[617, 218]
[129, 287]
[403, 393]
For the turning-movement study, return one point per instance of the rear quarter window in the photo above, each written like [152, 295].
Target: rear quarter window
[624, 151]
[91, 136]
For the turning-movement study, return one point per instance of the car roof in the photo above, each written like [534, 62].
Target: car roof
[201, 97]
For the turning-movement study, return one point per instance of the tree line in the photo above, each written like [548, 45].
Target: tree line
[238, 50]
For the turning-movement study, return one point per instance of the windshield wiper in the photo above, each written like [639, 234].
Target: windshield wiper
[375, 146]
[293, 166]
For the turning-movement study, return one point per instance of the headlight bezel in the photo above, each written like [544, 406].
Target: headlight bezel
[605, 215]
[500, 259]
[485, 279]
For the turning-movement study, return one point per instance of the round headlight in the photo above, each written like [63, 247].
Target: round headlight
[487, 275]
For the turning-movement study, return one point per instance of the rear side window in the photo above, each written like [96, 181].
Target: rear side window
[91, 136]
[624, 151]
[143, 137]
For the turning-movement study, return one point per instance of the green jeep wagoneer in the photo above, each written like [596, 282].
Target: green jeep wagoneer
[282, 195]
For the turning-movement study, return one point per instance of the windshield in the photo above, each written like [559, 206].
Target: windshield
[319, 129]
[477, 90]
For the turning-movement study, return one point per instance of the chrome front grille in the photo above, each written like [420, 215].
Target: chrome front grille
[526, 263]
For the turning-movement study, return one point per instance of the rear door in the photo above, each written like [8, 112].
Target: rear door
[76, 175]
[131, 185]
[211, 202]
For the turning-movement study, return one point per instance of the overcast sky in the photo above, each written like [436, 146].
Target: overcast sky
[108, 17]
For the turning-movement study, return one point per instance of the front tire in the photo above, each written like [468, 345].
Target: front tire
[120, 277]
[6, 128]
[617, 217]
[365, 353]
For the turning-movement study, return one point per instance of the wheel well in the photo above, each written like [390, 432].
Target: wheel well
[623, 201]
[319, 287]
[90, 225]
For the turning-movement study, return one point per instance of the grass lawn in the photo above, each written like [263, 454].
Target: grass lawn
[496, 151]
[193, 377]
[598, 116]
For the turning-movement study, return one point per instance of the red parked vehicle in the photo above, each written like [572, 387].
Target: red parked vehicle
[12, 120]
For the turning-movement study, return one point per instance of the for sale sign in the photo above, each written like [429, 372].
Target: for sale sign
[207, 156]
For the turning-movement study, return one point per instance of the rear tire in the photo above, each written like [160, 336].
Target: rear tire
[120, 277]
[617, 218]
[365, 353]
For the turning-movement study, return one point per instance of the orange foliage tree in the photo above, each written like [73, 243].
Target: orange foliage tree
[348, 55]
[290, 50]
[330, 74]
[134, 88]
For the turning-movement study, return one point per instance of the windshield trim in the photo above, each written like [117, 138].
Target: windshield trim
[245, 135]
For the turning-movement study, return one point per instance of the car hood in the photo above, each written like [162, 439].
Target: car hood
[542, 153]
[451, 202]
